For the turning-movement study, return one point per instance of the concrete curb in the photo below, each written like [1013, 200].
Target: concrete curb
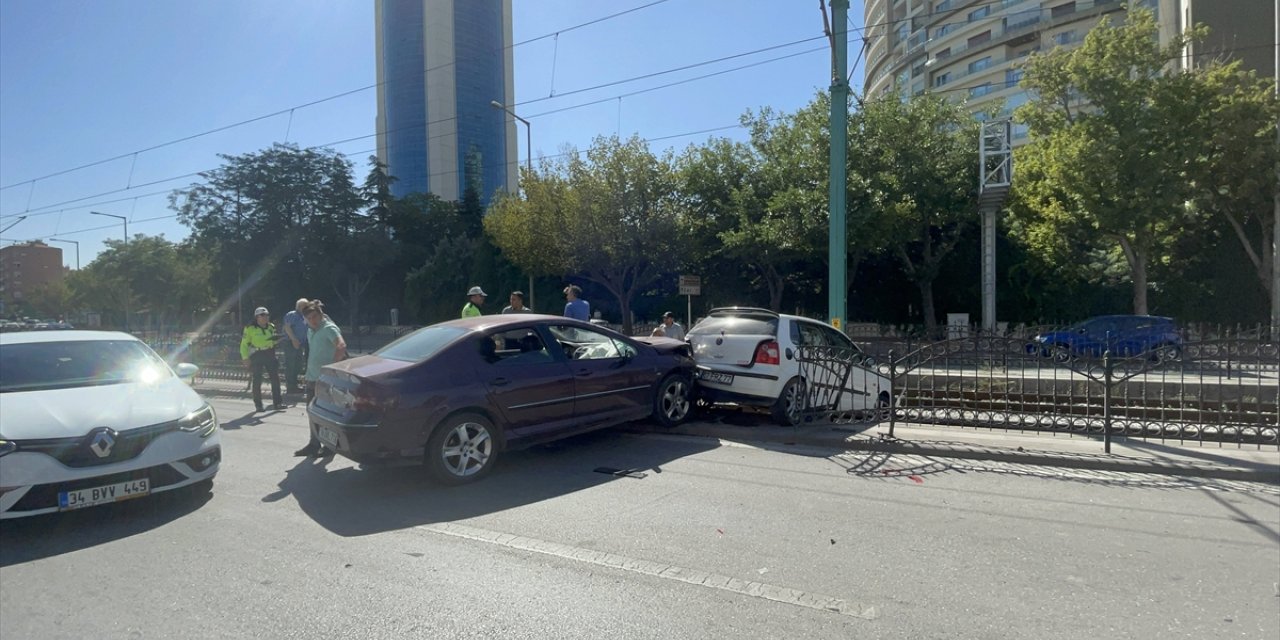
[1244, 472]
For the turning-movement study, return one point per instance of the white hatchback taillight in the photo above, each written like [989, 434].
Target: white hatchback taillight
[767, 353]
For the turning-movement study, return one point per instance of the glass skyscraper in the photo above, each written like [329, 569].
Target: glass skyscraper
[441, 63]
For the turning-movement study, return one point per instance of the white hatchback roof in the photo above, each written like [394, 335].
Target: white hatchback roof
[61, 335]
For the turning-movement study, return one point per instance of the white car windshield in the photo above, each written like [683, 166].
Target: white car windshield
[37, 366]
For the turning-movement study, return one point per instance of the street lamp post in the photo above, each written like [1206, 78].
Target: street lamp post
[126, 244]
[528, 159]
[76, 243]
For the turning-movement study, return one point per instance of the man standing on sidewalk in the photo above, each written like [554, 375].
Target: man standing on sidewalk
[295, 348]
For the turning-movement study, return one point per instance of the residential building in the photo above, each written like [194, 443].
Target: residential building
[970, 49]
[441, 63]
[27, 267]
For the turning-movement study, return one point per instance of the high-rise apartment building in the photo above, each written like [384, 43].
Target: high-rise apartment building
[969, 49]
[27, 267]
[441, 63]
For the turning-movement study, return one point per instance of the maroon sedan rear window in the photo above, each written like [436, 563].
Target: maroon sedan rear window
[420, 344]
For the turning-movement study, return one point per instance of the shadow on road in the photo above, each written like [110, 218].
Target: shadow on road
[352, 501]
[44, 536]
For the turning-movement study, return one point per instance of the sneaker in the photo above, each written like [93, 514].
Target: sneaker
[258, 408]
[278, 407]
[326, 452]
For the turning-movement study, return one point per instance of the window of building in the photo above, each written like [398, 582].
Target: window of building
[943, 30]
[1019, 131]
[1062, 10]
[903, 30]
[980, 90]
[980, 38]
[945, 53]
[979, 13]
[1064, 38]
[1012, 77]
[941, 79]
[917, 70]
[942, 6]
[979, 64]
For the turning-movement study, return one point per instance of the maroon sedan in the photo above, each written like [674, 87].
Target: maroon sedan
[454, 395]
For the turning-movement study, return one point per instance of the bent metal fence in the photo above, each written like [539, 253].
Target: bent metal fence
[1220, 389]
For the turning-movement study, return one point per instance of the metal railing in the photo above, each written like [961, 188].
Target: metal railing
[1220, 389]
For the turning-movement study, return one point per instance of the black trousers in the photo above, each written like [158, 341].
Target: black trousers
[264, 363]
[295, 362]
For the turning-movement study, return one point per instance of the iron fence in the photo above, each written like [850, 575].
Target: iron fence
[1223, 389]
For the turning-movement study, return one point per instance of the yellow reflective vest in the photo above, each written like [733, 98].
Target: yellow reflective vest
[257, 339]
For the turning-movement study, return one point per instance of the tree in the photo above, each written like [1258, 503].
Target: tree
[1235, 177]
[158, 278]
[613, 224]
[915, 164]
[1114, 141]
[272, 218]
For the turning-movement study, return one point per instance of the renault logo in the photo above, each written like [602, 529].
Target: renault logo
[101, 442]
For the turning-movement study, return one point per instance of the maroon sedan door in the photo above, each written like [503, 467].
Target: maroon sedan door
[609, 386]
[532, 387]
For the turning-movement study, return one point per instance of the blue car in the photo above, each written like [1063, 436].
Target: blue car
[1124, 336]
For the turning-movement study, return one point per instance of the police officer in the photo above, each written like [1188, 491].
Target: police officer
[258, 350]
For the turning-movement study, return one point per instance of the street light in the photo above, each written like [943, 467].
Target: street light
[528, 158]
[126, 244]
[76, 243]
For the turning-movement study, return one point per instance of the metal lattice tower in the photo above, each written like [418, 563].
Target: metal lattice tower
[995, 174]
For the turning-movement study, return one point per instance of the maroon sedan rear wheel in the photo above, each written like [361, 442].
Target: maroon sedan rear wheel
[462, 449]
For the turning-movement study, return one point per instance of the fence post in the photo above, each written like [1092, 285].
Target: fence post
[1106, 401]
[1226, 344]
[893, 403]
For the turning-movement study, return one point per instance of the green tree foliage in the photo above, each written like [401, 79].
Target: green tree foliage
[615, 223]
[279, 222]
[1118, 142]
[158, 282]
[914, 166]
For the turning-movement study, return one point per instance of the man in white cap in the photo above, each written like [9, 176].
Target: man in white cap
[475, 298]
[258, 350]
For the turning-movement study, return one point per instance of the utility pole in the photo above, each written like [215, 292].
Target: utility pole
[128, 293]
[995, 174]
[1275, 223]
[528, 159]
[838, 249]
[76, 243]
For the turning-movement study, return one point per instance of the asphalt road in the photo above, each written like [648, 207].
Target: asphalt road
[706, 541]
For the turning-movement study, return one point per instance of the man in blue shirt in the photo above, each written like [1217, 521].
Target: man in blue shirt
[295, 348]
[576, 307]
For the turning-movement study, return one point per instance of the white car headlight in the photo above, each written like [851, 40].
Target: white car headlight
[7, 447]
[202, 421]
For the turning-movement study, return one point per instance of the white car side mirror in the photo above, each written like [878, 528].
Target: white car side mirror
[187, 372]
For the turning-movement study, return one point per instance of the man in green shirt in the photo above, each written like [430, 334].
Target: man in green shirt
[475, 298]
[326, 346]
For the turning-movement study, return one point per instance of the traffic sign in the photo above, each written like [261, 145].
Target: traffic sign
[690, 285]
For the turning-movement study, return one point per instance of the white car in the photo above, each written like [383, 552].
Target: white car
[94, 417]
[751, 356]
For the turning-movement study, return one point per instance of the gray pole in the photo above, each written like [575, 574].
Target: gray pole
[126, 245]
[76, 243]
[1275, 223]
[528, 159]
[838, 242]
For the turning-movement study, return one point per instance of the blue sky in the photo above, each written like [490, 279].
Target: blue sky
[85, 81]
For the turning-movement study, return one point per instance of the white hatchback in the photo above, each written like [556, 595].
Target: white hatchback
[95, 417]
[751, 356]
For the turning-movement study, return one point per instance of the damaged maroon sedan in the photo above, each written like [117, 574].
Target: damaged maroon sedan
[454, 395]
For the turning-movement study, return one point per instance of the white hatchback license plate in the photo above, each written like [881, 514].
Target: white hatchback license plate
[328, 436]
[717, 377]
[80, 498]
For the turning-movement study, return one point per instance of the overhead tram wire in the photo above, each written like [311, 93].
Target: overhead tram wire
[308, 104]
[442, 173]
[52, 208]
[343, 94]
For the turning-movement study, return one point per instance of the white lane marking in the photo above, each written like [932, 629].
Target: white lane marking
[751, 588]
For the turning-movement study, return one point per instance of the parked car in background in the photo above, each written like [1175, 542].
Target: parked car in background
[1124, 336]
[455, 395]
[750, 356]
[94, 417]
